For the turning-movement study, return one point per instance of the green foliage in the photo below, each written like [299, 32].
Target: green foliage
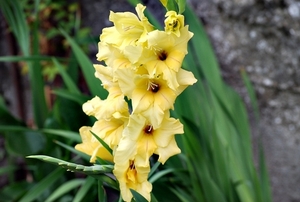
[65, 188]
[42, 186]
[216, 163]
[137, 197]
[88, 170]
[84, 189]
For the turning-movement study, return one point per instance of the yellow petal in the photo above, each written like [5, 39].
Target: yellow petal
[111, 35]
[132, 176]
[168, 128]
[91, 146]
[185, 79]
[126, 81]
[92, 106]
[168, 151]
[109, 131]
[105, 74]
[154, 114]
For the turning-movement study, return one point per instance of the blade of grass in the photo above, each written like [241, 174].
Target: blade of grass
[42, 186]
[80, 99]
[72, 149]
[65, 188]
[67, 79]
[63, 133]
[153, 198]
[40, 109]
[154, 168]
[183, 196]
[101, 192]
[137, 197]
[30, 58]
[201, 46]
[84, 189]
[160, 174]
[251, 93]
[264, 177]
[86, 67]
[103, 143]
[15, 16]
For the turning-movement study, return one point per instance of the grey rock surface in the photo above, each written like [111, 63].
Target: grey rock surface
[263, 37]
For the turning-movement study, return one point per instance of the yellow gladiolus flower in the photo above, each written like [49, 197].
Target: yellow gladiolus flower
[104, 109]
[173, 23]
[148, 95]
[132, 176]
[91, 146]
[131, 170]
[112, 56]
[111, 130]
[142, 139]
[169, 49]
[128, 28]
[163, 56]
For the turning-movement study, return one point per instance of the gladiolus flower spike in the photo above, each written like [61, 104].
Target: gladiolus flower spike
[142, 65]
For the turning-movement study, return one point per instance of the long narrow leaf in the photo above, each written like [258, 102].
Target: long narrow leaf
[87, 68]
[30, 58]
[251, 93]
[264, 177]
[65, 188]
[84, 190]
[15, 16]
[67, 79]
[159, 174]
[101, 192]
[102, 142]
[154, 168]
[42, 186]
[80, 99]
[72, 149]
[137, 197]
[63, 133]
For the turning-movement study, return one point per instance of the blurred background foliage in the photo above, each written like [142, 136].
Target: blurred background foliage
[216, 163]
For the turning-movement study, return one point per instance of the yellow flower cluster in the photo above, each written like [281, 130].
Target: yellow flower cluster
[143, 68]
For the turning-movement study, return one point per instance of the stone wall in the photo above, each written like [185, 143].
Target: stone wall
[263, 36]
